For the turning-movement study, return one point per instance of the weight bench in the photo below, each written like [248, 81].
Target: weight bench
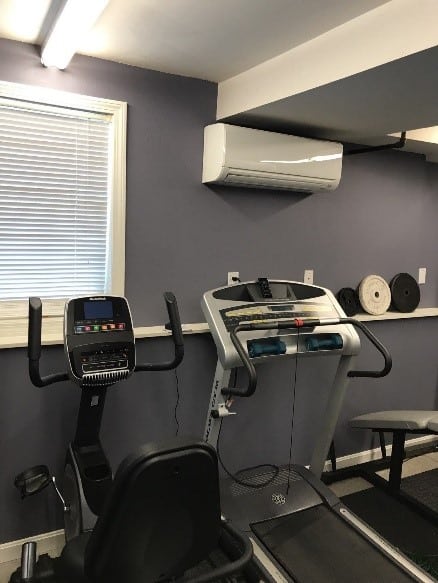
[399, 423]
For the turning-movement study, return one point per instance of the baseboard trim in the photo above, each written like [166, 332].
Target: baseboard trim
[361, 457]
[49, 542]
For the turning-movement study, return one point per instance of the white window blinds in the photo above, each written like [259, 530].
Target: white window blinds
[54, 201]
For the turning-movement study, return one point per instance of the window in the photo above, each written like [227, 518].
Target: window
[62, 197]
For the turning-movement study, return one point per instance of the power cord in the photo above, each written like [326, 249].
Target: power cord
[234, 477]
[239, 481]
[175, 414]
[294, 389]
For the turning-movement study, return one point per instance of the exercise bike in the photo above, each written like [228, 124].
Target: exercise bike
[100, 351]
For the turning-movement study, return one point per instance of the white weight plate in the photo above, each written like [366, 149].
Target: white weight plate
[374, 295]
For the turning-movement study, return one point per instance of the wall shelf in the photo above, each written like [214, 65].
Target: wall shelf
[13, 333]
[419, 313]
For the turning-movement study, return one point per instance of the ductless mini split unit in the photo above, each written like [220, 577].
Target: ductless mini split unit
[237, 156]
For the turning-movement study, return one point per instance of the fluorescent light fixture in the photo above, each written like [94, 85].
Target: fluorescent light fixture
[73, 21]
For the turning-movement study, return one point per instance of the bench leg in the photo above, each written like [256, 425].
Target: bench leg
[397, 457]
[382, 443]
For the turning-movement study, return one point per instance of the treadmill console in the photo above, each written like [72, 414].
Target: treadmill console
[264, 301]
[99, 340]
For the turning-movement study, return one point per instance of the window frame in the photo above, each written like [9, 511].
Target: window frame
[44, 99]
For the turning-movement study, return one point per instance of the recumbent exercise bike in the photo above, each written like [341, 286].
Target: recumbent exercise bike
[160, 516]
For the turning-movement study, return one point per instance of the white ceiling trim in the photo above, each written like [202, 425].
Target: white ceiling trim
[394, 30]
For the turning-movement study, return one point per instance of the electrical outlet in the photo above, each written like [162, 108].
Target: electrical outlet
[233, 277]
[422, 275]
[308, 276]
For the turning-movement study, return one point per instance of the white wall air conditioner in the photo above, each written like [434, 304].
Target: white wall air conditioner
[237, 156]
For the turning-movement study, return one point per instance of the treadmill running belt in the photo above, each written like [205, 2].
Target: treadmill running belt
[317, 545]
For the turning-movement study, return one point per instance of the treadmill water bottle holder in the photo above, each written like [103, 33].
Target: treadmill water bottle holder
[291, 344]
[321, 342]
[265, 347]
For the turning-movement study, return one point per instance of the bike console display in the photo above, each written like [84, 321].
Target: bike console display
[99, 340]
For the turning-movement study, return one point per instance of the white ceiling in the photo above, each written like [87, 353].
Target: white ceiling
[352, 70]
[206, 39]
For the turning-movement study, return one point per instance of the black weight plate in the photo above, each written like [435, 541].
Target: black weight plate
[405, 293]
[349, 301]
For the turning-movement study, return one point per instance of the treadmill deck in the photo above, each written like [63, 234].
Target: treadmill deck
[300, 525]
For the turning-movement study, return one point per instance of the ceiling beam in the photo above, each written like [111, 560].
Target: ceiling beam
[392, 31]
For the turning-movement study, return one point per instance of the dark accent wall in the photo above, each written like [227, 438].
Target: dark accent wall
[183, 236]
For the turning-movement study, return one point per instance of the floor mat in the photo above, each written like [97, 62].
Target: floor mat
[423, 487]
[411, 533]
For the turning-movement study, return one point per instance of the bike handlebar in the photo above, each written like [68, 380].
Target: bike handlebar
[34, 347]
[177, 337]
[34, 344]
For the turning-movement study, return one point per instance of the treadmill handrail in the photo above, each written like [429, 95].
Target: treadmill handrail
[378, 345]
[249, 390]
[34, 343]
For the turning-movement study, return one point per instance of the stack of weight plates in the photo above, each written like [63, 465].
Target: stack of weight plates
[405, 293]
[374, 295]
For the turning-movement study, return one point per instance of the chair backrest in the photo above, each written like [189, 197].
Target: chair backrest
[162, 515]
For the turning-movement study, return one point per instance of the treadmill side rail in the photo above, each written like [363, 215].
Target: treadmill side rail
[276, 574]
[385, 547]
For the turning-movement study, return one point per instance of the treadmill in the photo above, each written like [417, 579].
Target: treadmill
[299, 529]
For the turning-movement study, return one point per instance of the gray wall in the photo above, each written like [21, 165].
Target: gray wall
[184, 236]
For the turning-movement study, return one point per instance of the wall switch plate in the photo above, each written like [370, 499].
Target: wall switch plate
[422, 275]
[308, 276]
[233, 277]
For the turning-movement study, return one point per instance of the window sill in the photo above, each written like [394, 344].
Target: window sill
[13, 333]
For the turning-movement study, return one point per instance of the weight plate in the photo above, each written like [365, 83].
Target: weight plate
[374, 295]
[405, 293]
[349, 301]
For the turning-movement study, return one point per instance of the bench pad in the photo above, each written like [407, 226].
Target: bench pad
[391, 420]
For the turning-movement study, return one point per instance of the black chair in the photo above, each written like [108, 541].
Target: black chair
[161, 519]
